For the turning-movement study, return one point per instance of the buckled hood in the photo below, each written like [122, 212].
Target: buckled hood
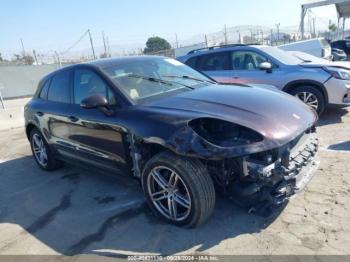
[274, 114]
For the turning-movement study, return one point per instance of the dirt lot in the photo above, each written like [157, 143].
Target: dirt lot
[76, 211]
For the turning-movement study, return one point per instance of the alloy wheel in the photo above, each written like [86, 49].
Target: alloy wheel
[169, 193]
[308, 98]
[39, 150]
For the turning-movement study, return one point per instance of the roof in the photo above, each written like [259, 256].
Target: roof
[219, 48]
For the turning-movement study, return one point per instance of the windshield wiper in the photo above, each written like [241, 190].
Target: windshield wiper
[151, 79]
[157, 80]
[189, 77]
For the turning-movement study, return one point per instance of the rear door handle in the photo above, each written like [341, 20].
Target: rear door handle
[73, 118]
[40, 113]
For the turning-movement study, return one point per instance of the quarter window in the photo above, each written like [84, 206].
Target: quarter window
[88, 83]
[59, 88]
[215, 62]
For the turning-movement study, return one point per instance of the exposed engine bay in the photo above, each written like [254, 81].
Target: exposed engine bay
[264, 180]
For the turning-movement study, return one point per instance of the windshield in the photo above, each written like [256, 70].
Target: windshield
[281, 55]
[145, 78]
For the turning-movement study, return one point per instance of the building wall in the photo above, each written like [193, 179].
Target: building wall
[22, 80]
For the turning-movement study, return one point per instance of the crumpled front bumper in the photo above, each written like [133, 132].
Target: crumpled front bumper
[275, 183]
[303, 163]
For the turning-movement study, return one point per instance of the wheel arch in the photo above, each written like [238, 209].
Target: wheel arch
[29, 128]
[305, 82]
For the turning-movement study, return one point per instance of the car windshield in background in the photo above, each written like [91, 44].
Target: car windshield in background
[148, 78]
[281, 55]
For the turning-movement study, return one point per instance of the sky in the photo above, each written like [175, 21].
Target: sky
[57, 24]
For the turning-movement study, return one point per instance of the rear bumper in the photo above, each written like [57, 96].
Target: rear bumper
[338, 91]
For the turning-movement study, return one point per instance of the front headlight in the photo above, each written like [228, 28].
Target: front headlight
[337, 72]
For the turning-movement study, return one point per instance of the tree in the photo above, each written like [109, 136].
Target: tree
[1, 59]
[332, 27]
[26, 59]
[155, 44]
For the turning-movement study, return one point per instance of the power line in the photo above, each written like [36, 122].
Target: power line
[73, 45]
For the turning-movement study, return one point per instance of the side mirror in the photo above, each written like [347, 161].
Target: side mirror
[266, 66]
[94, 101]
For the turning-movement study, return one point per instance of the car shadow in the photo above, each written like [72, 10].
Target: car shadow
[76, 211]
[332, 115]
[342, 146]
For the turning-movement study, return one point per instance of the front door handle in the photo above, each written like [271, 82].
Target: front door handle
[73, 118]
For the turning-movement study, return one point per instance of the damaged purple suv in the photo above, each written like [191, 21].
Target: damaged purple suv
[180, 133]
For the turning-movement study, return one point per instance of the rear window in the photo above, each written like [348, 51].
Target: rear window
[59, 87]
[45, 89]
[215, 62]
[192, 62]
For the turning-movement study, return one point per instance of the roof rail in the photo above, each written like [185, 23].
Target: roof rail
[213, 47]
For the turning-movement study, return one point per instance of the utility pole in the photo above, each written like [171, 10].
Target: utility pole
[58, 59]
[23, 50]
[225, 34]
[262, 36]
[176, 41]
[278, 31]
[108, 47]
[92, 45]
[313, 27]
[239, 36]
[104, 43]
[206, 40]
[35, 58]
[271, 36]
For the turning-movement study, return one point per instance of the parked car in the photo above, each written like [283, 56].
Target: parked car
[313, 83]
[176, 131]
[318, 47]
[338, 55]
[343, 45]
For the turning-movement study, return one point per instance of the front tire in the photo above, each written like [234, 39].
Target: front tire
[178, 189]
[311, 96]
[41, 151]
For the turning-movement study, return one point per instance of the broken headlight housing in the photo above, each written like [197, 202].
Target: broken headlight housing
[223, 133]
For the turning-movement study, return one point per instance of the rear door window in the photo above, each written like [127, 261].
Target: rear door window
[215, 62]
[59, 88]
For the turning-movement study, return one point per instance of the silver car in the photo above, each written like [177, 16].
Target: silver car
[317, 84]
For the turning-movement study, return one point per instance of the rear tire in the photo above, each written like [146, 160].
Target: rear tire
[41, 152]
[191, 200]
[311, 96]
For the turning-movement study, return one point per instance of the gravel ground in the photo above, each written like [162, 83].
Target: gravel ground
[76, 211]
